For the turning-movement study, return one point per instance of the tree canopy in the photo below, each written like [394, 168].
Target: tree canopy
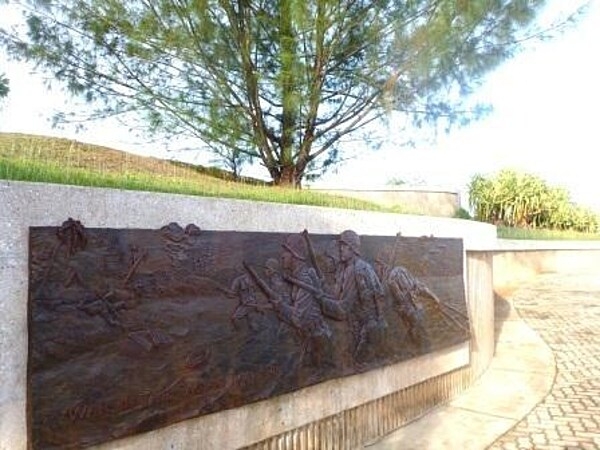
[3, 86]
[281, 81]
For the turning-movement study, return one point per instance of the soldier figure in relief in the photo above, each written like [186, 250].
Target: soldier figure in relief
[404, 290]
[303, 309]
[361, 293]
[248, 309]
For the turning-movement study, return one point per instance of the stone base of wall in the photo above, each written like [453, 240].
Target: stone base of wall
[366, 423]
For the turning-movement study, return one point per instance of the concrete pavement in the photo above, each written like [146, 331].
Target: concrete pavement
[542, 390]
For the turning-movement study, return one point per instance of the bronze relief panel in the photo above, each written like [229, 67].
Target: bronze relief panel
[131, 330]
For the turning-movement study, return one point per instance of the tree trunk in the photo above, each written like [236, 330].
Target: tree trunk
[289, 177]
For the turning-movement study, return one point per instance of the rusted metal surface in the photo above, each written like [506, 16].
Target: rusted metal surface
[131, 330]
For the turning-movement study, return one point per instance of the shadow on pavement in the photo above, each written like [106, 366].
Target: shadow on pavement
[503, 311]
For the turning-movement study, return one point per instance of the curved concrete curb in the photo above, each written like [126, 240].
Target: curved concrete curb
[521, 374]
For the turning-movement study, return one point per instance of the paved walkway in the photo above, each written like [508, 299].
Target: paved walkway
[542, 390]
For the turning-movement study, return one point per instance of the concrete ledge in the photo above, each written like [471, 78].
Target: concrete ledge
[533, 245]
[416, 200]
[517, 261]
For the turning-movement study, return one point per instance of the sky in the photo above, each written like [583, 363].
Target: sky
[543, 122]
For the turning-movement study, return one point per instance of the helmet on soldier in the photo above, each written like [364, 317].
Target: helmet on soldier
[294, 243]
[385, 255]
[351, 239]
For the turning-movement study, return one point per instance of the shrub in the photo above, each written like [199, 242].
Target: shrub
[462, 213]
[515, 199]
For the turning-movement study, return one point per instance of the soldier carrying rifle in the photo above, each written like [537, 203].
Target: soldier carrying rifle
[405, 290]
[360, 291]
[303, 309]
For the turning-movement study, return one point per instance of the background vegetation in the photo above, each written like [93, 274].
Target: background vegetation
[3, 86]
[525, 201]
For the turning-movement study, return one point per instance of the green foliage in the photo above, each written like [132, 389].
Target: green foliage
[396, 182]
[282, 81]
[522, 200]
[545, 234]
[462, 213]
[3, 86]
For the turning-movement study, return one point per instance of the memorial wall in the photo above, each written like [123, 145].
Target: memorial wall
[174, 320]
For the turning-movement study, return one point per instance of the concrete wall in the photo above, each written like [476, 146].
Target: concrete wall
[417, 201]
[341, 413]
[517, 262]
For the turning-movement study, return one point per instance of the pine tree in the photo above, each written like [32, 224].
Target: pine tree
[281, 81]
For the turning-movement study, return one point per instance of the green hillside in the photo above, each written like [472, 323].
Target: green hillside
[34, 158]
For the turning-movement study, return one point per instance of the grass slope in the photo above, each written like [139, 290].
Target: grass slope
[26, 157]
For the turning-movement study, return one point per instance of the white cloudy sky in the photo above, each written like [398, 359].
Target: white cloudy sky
[544, 120]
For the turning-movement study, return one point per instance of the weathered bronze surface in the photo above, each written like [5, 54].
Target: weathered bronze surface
[132, 330]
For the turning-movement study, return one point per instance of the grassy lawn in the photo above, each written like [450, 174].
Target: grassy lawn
[563, 235]
[63, 161]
